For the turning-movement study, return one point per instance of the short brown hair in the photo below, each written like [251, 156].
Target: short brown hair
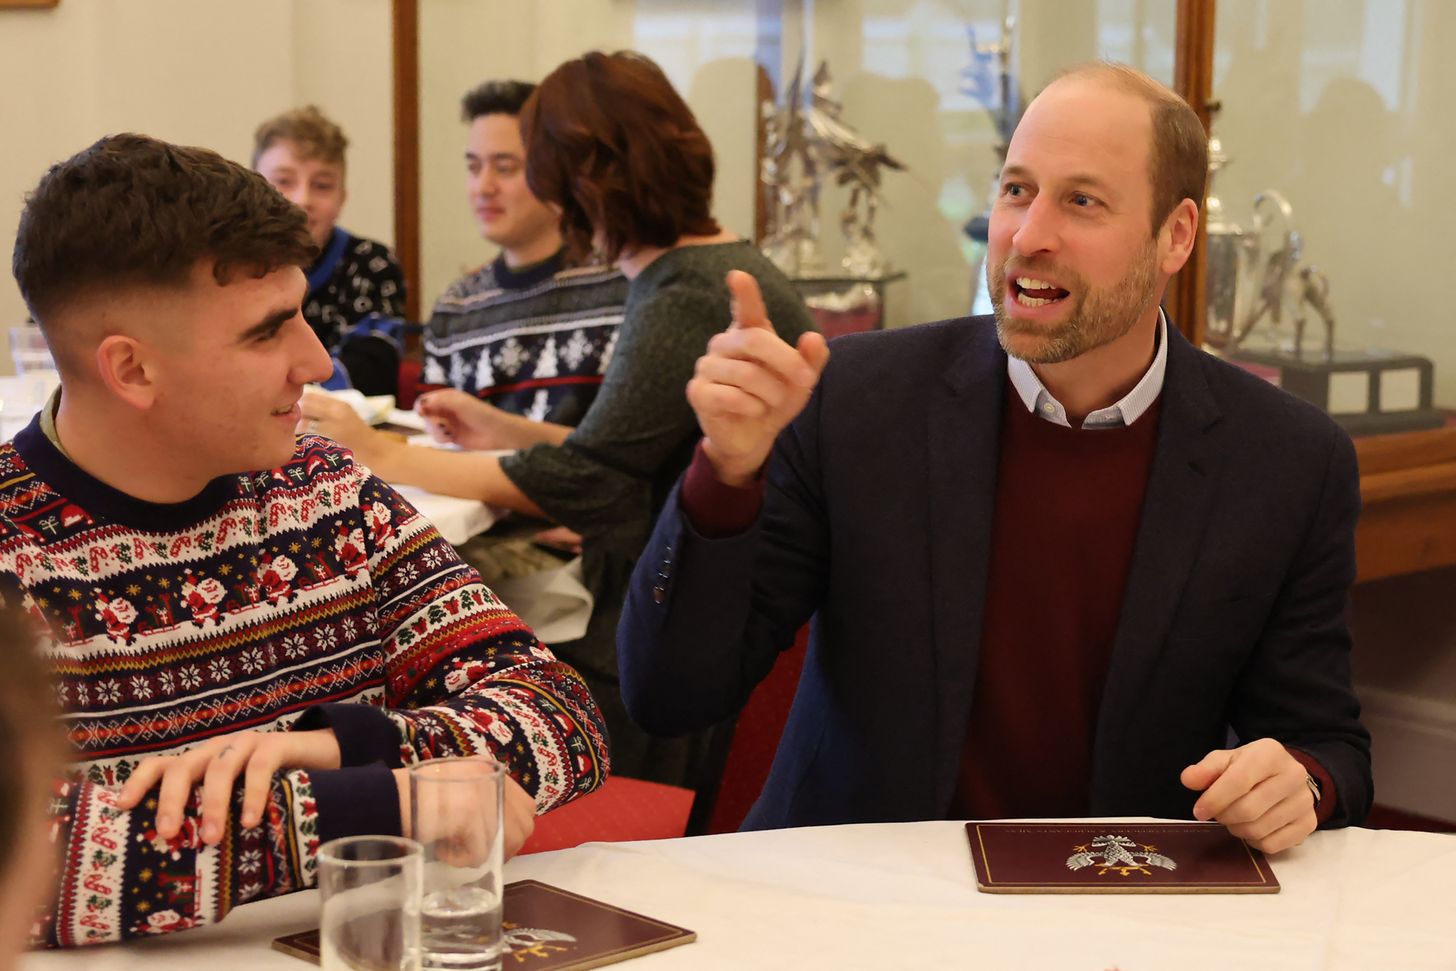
[610, 142]
[134, 211]
[1178, 155]
[310, 130]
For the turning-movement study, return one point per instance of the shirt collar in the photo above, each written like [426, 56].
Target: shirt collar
[1039, 401]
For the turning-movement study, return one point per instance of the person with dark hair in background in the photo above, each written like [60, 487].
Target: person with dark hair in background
[354, 283]
[1055, 560]
[31, 756]
[253, 634]
[611, 144]
[515, 350]
[529, 334]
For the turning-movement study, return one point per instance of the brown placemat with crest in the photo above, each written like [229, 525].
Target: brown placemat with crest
[1115, 858]
[550, 929]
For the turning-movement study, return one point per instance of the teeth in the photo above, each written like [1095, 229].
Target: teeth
[1030, 283]
[1026, 301]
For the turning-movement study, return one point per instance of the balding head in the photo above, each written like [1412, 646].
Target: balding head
[1178, 146]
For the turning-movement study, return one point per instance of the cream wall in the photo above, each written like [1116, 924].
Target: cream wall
[199, 72]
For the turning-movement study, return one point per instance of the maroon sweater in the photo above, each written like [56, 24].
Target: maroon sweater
[1067, 508]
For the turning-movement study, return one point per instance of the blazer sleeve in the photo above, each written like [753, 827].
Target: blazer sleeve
[1297, 685]
[705, 618]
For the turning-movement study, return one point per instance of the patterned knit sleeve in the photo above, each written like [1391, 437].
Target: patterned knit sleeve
[465, 676]
[118, 879]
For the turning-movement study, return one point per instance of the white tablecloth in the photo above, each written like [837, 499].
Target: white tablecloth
[904, 896]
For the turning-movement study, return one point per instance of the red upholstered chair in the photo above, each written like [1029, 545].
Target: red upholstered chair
[756, 739]
[622, 809]
[409, 382]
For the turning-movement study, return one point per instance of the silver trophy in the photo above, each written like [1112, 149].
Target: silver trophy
[1000, 93]
[1261, 296]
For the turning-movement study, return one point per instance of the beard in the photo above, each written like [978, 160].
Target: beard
[1098, 315]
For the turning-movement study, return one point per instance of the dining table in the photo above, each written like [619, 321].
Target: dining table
[904, 895]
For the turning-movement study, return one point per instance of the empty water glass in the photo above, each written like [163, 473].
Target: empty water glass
[371, 887]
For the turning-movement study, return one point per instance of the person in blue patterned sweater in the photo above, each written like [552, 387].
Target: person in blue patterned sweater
[251, 634]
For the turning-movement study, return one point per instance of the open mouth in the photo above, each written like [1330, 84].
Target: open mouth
[292, 411]
[1033, 292]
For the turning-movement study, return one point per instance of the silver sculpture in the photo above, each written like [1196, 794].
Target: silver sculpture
[1257, 274]
[803, 147]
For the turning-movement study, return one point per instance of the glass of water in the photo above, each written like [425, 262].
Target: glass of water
[371, 887]
[456, 810]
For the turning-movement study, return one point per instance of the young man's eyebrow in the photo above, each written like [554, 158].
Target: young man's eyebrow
[269, 324]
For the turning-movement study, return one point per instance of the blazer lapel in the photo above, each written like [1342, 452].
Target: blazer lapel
[964, 415]
[1174, 516]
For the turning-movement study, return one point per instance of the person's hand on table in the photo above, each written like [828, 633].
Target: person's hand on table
[336, 419]
[216, 764]
[456, 418]
[518, 825]
[751, 384]
[560, 538]
[1258, 791]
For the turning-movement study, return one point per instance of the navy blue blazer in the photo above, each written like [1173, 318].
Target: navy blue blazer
[877, 523]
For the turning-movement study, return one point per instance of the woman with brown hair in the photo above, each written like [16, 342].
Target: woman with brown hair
[612, 145]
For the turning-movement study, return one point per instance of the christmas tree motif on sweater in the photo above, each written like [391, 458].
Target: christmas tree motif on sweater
[540, 405]
[275, 576]
[202, 597]
[117, 614]
[350, 546]
[546, 366]
[434, 373]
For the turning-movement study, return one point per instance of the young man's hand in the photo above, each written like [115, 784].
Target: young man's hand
[456, 418]
[1258, 791]
[216, 765]
[519, 822]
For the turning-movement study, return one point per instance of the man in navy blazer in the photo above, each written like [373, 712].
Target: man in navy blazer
[1059, 561]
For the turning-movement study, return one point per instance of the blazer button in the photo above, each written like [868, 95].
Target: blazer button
[659, 594]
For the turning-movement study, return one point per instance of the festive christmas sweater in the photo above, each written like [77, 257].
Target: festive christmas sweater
[534, 341]
[308, 596]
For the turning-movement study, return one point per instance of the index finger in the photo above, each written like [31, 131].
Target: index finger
[747, 303]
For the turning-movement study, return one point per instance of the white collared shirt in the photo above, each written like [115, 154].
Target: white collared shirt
[1128, 409]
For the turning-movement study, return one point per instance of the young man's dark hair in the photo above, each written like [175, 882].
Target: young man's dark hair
[495, 98]
[131, 210]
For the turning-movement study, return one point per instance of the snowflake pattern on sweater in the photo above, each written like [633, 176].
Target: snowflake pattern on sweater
[248, 607]
[532, 342]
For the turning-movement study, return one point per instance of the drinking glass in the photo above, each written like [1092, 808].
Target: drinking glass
[371, 904]
[456, 809]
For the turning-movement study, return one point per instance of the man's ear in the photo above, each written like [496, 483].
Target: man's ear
[1175, 239]
[126, 370]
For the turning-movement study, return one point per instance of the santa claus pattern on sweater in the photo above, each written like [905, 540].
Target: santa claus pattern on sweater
[265, 599]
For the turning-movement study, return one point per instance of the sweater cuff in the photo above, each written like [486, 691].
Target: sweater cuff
[365, 733]
[717, 510]
[1329, 798]
[358, 801]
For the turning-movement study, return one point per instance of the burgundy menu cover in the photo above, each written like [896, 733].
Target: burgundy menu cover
[1115, 858]
[550, 929]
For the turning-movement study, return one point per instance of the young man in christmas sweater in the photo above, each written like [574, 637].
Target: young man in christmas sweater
[251, 634]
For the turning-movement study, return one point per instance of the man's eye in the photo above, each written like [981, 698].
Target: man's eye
[1012, 190]
[1083, 200]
